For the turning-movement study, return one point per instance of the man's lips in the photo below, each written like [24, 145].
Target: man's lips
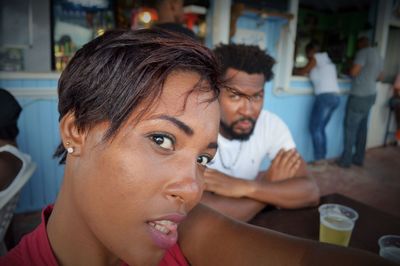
[164, 230]
[244, 124]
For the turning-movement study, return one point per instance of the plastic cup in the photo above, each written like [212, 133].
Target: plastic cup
[336, 224]
[390, 247]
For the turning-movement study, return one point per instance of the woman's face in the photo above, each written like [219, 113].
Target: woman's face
[133, 191]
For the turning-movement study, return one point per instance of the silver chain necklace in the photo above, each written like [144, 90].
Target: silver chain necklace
[234, 162]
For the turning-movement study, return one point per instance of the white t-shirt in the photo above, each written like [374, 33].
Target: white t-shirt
[243, 159]
[20, 179]
[323, 75]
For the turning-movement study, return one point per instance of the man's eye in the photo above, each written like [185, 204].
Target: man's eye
[163, 141]
[257, 97]
[234, 97]
[203, 159]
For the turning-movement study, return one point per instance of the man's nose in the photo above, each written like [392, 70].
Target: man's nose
[187, 186]
[246, 107]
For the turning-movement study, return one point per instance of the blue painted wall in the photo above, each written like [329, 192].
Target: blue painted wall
[295, 110]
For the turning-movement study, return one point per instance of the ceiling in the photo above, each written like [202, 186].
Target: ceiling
[337, 5]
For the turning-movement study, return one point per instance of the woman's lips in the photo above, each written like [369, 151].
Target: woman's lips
[164, 231]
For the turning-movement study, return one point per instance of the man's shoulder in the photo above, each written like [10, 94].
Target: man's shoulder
[269, 118]
[269, 124]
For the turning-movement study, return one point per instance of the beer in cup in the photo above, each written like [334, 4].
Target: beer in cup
[336, 224]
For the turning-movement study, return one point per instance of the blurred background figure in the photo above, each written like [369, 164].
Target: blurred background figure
[323, 76]
[9, 113]
[171, 16]
[366, 71]
[15, 166]
[394, 105]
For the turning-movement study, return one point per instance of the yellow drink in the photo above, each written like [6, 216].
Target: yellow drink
[335, 229]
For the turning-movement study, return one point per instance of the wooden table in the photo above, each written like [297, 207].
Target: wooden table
[371, 224]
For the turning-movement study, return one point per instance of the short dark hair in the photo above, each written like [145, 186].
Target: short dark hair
[312, 45]
[110, 76]
[9, 114]
[248, 58]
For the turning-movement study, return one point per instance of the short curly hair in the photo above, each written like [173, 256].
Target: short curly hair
[248, 58]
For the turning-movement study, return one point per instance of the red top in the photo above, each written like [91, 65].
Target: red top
[34, 249]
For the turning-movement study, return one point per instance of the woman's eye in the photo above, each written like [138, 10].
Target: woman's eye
[164, 142]
[203, 160]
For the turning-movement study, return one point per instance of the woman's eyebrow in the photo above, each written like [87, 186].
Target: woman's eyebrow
[178, 123]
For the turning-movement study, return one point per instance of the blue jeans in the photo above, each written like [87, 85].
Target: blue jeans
[323, 108]
[355, 129]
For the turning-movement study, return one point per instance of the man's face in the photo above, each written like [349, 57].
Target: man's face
[241, 103]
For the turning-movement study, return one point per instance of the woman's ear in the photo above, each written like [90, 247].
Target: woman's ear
[71, 137]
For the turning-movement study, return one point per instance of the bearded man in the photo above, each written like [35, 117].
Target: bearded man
[235, 185]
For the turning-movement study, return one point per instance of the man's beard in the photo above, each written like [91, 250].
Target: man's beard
[230, 132]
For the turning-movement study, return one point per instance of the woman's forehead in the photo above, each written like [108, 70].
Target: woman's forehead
[182, 90]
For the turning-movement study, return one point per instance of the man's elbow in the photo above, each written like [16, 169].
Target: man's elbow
[313, 194]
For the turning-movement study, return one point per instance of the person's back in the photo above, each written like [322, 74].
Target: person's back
[364, 83]
[366, 71]
[10, 165]
[323, 75]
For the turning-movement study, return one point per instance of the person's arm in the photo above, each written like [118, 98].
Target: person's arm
[380, 77]
[355, 70]
[302, 71]
[242, 209]
[294, 192]
[358, 63]
[209, 238]
[281, 186]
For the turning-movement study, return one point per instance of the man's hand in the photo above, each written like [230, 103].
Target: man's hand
[283, 166]
[225, 185]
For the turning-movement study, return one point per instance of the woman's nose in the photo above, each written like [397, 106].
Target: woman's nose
[187, 187]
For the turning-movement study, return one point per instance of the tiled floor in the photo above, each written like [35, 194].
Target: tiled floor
[377, 183]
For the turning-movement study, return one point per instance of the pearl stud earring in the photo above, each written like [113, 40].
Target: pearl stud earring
[69, 149]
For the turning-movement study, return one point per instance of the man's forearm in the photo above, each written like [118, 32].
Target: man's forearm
[290, 193]
[242, 209]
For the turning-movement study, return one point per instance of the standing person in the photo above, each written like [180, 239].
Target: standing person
[236, 186]
[324, 79]
[394, 104]
[366, 71]
[171, 16]
[138, 123]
